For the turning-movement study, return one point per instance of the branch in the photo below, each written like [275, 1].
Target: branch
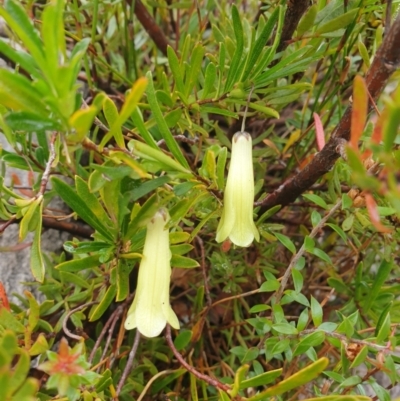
[294, 11]
[129, 363]
[150, 25]
[385, 62]
[301, 251]
[47, 170]
[212, 382]
[68, 315]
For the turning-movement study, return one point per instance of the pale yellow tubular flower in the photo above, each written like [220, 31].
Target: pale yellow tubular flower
[237, 215]
[151, 309]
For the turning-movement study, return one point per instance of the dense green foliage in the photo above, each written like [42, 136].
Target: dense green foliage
[117, 126]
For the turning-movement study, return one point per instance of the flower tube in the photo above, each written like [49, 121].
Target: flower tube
[151, 309]
[237, 215]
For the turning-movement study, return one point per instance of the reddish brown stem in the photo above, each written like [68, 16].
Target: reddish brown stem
[150, 25]
[213, 382]
[386, 60]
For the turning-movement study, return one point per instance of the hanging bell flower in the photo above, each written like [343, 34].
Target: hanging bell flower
[237, 215]
[151, 309]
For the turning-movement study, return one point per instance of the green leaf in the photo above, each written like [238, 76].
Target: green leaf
[17, 19]
[70, 197]
[81, 121]
[298, 379]
[30, 122]
[340, 398]
[192, 74]
[17, 93]
[316, 312]
[178, 237]
[23, 59]
[149, 186]
[111, 114]
[383, 327]
[145, 151]
[209, 80]
[183, 262]
[311, 340]
[234, 70]
[316, 199]
[123, 271]
[85, 246]
[105, 301]
[10, 322]
[307, 21]
[67, 277]
[338, 23]
[92, 202]
[162, 125]
[260, 43]
[239, 377]
[286, 242]
[36, 258]
[360, 358]
[175, 69]
[183, 339]
[139, 124]
[381, 276]
[53, 35]
[77, 265]
[338, 230]
[262, 379]
[30, 217]
[303, 320]
[285, 328]
[270, 286]
[297, 280]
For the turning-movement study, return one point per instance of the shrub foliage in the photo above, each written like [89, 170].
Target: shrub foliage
[123, 109]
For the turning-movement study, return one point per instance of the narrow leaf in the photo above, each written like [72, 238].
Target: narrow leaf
[70, 197]
[339, 22]
[319, 132]
[162, 125]
[298, 379]
[359, 110]
[36, 258]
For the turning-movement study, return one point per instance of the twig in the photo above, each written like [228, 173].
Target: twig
[47, 170]
[213, 382]
[384, 64]
[347, 340]
[181, 138]
[294, 11]
[115, 319]
[70, 227]
[203, 269]
[301, 251]
[129, 362]
[7, 223]
[151, 381]
[150, 25]
[107, 325]
[388, 15]
[68, 315]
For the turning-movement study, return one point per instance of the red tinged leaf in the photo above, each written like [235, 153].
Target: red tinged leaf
[65, 363]
[319, 132]
[15, 179]
[3, 298]
[374, 215]
[378, 129]
[359, 110]
[226, 245]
